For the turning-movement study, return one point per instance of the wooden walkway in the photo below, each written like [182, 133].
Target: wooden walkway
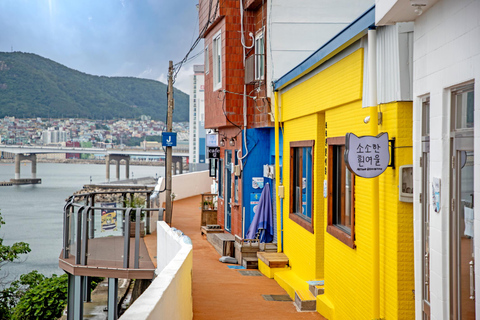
[105, 259]
[223, 293]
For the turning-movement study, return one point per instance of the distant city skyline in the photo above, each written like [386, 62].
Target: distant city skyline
[109, 37]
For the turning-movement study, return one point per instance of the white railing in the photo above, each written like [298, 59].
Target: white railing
[170, 294]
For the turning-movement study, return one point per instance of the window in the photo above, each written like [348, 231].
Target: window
[341, 194]
[259, 56]
[301, 183]
[207, 64]
[462, 102]
[217, 61]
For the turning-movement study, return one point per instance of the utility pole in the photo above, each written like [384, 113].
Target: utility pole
[168, 159]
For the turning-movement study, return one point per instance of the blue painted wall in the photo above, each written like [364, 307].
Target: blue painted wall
[261, 147]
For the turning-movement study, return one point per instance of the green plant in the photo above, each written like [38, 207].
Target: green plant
[44, 301]
[134, 202]
[9, 295]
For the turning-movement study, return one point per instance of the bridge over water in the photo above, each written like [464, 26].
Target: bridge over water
[29, 153]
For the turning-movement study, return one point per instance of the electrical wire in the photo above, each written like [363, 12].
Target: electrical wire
[177, 66]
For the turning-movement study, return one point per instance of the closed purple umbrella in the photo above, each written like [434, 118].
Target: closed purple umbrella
[263, 219]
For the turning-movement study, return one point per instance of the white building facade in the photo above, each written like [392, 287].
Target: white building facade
[53, 135]
[197, 116]
[446, 146]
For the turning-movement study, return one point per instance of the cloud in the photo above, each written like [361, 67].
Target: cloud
[162, 78]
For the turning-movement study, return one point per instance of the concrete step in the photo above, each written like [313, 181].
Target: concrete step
[305, 301]
[250, 262]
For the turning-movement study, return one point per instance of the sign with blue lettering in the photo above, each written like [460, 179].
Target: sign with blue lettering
[169, 139]
[367, 156]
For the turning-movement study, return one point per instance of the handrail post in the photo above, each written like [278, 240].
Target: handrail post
[126, 242]
[92, 217]
[78, 245]
[66, 229]
[85, 214]
[148, 215]
[137, 238]
[161, 213]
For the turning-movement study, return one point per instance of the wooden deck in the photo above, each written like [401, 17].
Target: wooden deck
[105, 259]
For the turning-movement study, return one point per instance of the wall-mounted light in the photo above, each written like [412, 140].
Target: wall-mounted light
[418, 9]
[232, 142]
[222, 142]
[366, 120]
[418, 6]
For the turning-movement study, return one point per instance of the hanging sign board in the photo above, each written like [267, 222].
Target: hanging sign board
[367, 156]
[213, 153]
[211, 140]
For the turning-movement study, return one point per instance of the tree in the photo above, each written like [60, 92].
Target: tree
[10, 295]
[44, 301]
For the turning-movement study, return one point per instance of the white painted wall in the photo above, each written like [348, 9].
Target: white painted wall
[296, 29]
[170, 294]
[446, 54]
[188, 185]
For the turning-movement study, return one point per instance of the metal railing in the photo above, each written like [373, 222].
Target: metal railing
[82, 222]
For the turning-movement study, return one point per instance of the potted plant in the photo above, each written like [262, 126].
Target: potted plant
[136, 202]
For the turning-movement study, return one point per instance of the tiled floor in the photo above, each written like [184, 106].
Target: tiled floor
[223, 293]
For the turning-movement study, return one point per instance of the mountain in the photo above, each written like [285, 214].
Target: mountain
[33, 86]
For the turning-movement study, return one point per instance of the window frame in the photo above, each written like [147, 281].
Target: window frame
[333, 229]
[217, 60]
[259, 50]
[300, 219]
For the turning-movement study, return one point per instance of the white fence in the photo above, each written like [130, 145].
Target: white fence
[170, 294]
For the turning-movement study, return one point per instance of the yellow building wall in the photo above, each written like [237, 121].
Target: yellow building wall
[304, 249]
[332, 98]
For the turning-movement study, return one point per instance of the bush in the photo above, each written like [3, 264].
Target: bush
[44, 301]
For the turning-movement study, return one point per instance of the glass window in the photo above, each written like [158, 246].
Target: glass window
[462, 102]
[341, 205]
[259, 57]
[301, 183]
[217, 61]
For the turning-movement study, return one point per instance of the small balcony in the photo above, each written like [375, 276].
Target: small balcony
[108, 239]
[254, 68]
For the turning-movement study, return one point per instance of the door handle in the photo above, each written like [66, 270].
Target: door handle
[472, 283]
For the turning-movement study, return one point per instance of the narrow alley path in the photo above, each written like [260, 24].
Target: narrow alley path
[223, 293]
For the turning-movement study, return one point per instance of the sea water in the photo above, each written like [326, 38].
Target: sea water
[34, 213]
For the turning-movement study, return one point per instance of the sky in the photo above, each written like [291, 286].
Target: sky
[134, 38]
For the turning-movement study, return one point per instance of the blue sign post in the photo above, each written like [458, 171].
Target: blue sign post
[169, 139]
